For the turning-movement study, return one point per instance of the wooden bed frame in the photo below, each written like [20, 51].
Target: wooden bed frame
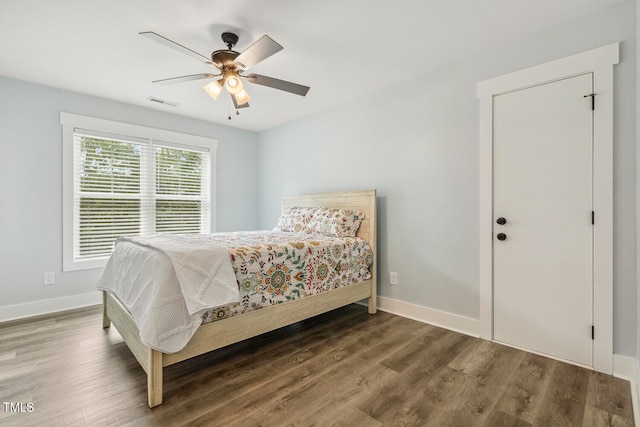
[214, 335]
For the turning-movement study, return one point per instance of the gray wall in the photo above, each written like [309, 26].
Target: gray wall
[31, 176]
[417, 144]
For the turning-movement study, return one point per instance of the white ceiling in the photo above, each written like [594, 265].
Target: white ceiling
[341, 48]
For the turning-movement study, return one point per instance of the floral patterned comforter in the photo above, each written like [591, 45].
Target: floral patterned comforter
[273, 267]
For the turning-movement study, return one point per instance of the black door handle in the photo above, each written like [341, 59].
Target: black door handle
[501, 236]
[501, 221]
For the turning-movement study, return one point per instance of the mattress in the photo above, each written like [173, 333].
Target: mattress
[269, 267]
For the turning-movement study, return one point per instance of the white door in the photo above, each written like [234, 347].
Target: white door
[543, 286]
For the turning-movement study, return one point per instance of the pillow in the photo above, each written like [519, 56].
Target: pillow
[336, 222]
[296, 220]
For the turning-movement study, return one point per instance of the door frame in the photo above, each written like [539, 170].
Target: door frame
[600, 62]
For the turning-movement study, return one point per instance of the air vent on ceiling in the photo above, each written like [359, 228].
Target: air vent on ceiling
[162, 101]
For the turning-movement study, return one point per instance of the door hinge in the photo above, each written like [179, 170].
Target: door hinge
[593, 100]
[593, 332]
[593, 217]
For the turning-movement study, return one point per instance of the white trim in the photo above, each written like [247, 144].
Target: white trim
[485, 239]
[603, 229]
[443, 319]
[628, 368]
[580, 63]
[635, 392]
[36, 308]
[623, 366]
[71, 121]
[600, 62]
[119, 128]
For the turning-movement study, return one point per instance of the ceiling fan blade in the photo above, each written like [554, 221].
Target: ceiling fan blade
[182, 79]
[173, 45]
[278, 84]
[257, 52]
[235, 103]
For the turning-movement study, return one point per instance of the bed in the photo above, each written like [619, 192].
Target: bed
[213, 335]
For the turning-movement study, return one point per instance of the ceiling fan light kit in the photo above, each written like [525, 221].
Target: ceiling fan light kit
[233, 84]
[214, 88]
[231, 65]
[243, 97]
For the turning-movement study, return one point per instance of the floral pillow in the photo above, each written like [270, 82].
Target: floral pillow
[297, 220]
[336, 222]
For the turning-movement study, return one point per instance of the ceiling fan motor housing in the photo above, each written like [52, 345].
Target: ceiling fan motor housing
[225, 58]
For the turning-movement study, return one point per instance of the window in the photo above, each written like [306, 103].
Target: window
[126, 180]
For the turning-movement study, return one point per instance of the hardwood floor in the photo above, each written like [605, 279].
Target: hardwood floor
[343, 368]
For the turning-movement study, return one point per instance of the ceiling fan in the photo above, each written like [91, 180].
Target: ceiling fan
[230, 66]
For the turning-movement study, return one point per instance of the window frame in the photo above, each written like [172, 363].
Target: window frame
[69, 123]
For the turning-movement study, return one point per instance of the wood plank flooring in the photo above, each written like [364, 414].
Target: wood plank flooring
[344, 368]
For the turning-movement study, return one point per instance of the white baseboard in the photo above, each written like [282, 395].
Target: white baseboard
[623, 367]
[635, 391]
[628, 368]
[443, 319]
[36, 308]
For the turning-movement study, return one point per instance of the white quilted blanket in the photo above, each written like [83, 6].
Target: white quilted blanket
[167, 282]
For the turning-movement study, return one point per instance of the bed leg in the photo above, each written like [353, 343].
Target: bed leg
[106, 322]
[154, 378]
[372, 305]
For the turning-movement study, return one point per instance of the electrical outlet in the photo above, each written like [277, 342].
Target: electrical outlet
[393, 278]
[49, 278]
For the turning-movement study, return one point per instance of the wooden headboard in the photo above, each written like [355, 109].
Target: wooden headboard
[363, 201]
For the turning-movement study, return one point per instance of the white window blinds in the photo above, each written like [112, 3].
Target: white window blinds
[126, 186]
